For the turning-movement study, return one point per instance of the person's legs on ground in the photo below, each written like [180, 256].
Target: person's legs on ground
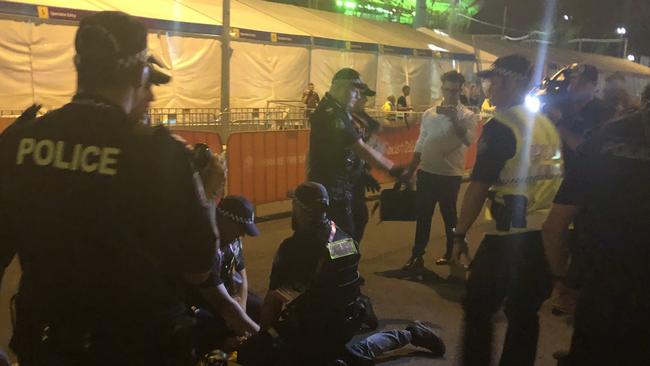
[486, 289]
[529, 286]
[425, 207]
[447, 193]
[377, 344]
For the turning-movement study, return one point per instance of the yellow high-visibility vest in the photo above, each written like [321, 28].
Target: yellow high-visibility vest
[535, 171]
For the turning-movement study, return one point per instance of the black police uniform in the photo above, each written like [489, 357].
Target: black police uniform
[105, 216]
[326, 313]
[612, 320]
[588, 119]
[335, 166]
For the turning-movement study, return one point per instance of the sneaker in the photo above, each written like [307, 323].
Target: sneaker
[442, 261]
[414, 264]
[425, 337]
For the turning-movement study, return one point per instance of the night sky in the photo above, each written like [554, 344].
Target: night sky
[589, 19]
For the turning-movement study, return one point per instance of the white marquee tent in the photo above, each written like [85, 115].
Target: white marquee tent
[488, 47]
[276, 50]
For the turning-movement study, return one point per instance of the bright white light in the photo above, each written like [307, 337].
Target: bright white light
[532, 103]
[440, 33]
[433, 47]
[621, 30]
[631, 57]
[566, 17]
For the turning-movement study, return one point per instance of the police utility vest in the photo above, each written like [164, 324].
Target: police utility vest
[327, 307]
[527, 184]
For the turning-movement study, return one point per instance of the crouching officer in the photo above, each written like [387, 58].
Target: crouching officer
[106, 215]
[313, 306]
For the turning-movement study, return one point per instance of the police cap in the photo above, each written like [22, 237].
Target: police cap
[156, 75]
[111, 38]
[515, 67]
[240, 210]
[312, 196]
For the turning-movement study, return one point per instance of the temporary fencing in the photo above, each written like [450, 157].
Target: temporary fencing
[265, 166]
[210, 138]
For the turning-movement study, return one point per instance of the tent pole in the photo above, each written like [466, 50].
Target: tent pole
[225, 64]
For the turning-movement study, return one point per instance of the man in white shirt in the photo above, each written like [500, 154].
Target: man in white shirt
[445, 133]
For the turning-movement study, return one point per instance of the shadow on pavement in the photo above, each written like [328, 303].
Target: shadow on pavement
[450, 288]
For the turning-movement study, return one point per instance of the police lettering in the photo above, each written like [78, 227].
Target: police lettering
[88, 159]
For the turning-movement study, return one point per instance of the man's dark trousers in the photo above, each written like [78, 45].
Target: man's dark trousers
[349, 211]
[432, 189]
[511, 268]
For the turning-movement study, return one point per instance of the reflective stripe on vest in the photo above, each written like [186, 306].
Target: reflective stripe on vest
[535, 171]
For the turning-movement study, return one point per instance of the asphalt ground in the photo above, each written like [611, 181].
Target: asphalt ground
[435, 298]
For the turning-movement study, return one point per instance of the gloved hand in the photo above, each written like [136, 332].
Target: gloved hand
[371, 184]
[29, 113]
[460, 252]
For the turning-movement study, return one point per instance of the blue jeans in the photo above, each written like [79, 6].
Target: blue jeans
[368, 349]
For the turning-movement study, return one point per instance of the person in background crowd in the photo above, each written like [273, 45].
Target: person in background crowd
[389, 104]
[337, 153]
[402, 101]
[518, 170]
[610, 192]
[617, 96]
[445, 133]
[108, 223]
[313, 307]
[583, 112]
[310, 98]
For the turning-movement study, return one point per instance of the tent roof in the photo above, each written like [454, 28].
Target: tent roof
[264, 16]
[306, 21]
[558, 56]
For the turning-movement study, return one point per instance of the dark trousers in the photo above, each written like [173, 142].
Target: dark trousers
[512, 269]
[432, 189]
[350, 211]
[612, 320]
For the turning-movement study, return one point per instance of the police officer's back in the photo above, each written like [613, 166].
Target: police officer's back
[105, 215]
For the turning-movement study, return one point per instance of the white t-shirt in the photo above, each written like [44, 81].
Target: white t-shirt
[443, 151]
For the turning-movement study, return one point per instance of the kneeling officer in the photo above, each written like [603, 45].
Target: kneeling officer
[314, 307]
[106, 215]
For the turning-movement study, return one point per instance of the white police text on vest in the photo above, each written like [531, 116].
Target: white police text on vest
[88, 159]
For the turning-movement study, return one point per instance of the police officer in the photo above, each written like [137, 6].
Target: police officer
[518, 169]
[582, 112]
[312, 309]
[612, 321]
[106, 215]
[337, 152]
